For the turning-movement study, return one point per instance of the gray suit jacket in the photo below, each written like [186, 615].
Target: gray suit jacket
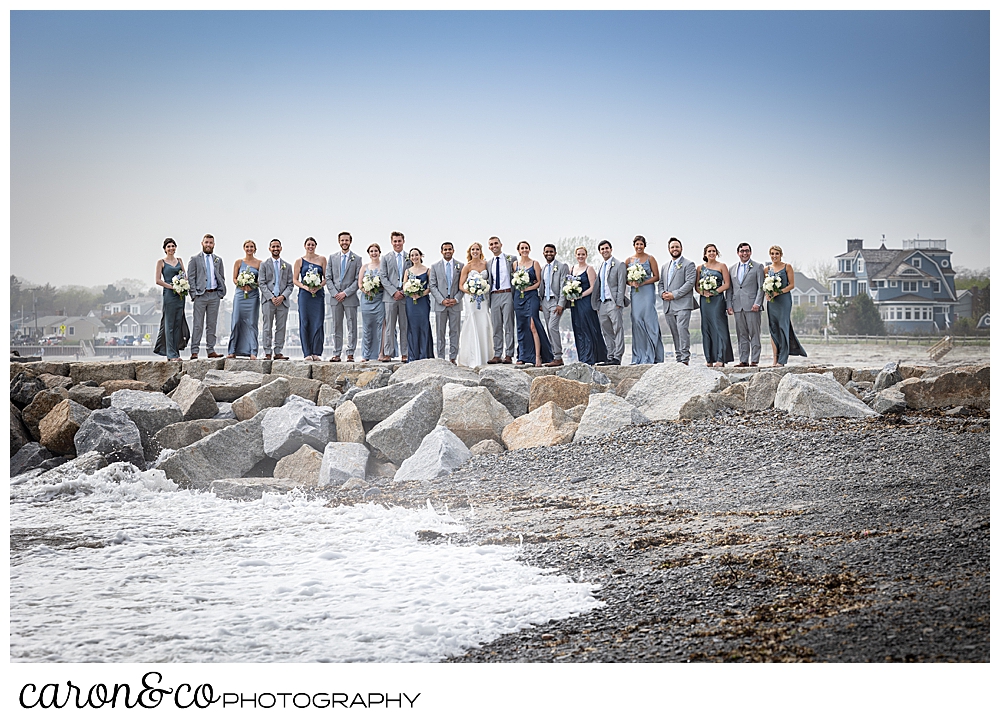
[491, 265]
[350, 283]
[392, 280]
[616, 283]
[438, 283]
[681, 285]
[266, 281]
[742, 297]
[559, 273]
[198, 275]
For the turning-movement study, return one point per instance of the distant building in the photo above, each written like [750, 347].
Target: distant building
[808, 291]
[138, 325]
[913, 287]
[138, 305]
[74, 328]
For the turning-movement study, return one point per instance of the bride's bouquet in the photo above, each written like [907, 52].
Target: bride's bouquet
[246, 278]
[414, 288]
[477, 288]
[636, 274]
[772, 286]
[371, 285]
[708, 283]
[520, 280]
[180, 284]
[572, 289]
[313, 281]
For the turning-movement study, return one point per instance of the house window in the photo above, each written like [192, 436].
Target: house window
[937, 287]
[795, 299]
[881, 284]
[846, 289]
[861, 266]
[812, 299]
[927, 314]
[944, 263]
[892, 284]
[915, 263]
[72, 331]
[927, 284]
[862, 288]
[907, 313]
[909, 286]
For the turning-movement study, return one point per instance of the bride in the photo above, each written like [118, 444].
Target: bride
[475, 345]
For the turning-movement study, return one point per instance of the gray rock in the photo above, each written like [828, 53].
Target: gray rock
[399, 435]
[113, 434]
[101, 371]
[472, 414]
[290, 368]
[272, 394]
[889, 401]
[194, 399]
[303, 466]
[546, 426]
[702, 406]
[88, 396]
[198, 368]
[51, 381]
[41, 405]
[350, 428]
[580, 372]
[230, 386]
[888, 377]
[171, 382]
[84, 464]
[379, 468]
[28, 457]
[864, 375]
[327, 396]
[441, 368]
[151, 412]
[299, 386]
[761, 390]
[157, 373]
[487, 446]
[375, 405]
[576, 413]
[58, 428]
[341, 462]
[735, 395]
[182, 434]
[225, 411]
[18, 433]
[296, 423]
[663, 389]
[260, 366]
[817, 396]
[967, 386]
[605, 413]
[510, 387]
[440, 453]
[228, 453]
[23, 389]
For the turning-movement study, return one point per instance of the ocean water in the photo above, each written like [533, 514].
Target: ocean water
[122, 566]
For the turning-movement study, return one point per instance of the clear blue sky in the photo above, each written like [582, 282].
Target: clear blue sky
[797, 128]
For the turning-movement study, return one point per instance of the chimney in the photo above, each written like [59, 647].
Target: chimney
[855, 244]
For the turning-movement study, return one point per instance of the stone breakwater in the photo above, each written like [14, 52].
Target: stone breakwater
[329, 424]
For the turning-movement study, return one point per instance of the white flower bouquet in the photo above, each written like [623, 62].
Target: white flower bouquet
[371, 285]
[772, 286]
[708, 283]
[477, 288]
[572, 289]
[414, 288]
[313, 281]
[181, 284]
[636, 274]
[520, 280]
[246, 278]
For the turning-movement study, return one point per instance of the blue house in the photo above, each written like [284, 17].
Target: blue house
[913, 287]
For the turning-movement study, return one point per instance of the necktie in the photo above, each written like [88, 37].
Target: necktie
[343, 266]
[496, 276]
[604, 281]
[447, 274]
[670, 272]
[277, 277]
[548, 281]
[399, 265]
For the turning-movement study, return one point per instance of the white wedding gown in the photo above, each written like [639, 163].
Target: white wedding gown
[475, 345]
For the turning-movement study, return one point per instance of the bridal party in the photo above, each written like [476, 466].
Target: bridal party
[490, 306]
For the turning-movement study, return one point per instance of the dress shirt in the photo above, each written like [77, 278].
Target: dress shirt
[343, 266]
[604, 281]
[210, 265]
[277, 277]
[399, 264]
[448, 273]
[742, 271]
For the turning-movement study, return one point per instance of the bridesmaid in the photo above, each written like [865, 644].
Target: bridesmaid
[715, 339]
[647, 343]
[590, 347]
[173, 303]
[532, 341]
[779, 311]
[419, 342]
[312, 302]
[372, 311]
[246, 311]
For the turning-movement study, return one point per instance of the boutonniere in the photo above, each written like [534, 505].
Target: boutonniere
[612, 264]
[677, 265]
[749, 265]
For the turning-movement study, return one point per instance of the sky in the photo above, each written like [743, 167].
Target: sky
[802, 129]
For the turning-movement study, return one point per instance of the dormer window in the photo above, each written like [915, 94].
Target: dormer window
[915, 262]
[861, 266]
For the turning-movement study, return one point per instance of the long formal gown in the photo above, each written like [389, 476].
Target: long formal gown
[173, 313]
[647, 343]
[715, 341]
[526, 311]
[372, 322]
[590, 346]
[419, 342]
[475, 345]
[311, 310]
[779, 321]
[245, 321]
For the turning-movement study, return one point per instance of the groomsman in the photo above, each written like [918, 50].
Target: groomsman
[676, 287]
[207, 277]
[391, 269]
[608, 300]
[342, 285]
[443, 284]
[744, 299]
[501, 304]
[554, 273]
[275, 288]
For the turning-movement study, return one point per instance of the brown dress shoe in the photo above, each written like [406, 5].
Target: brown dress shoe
[494, 360]
[281, 356]
[228, 356]
[554, 363]
[213, 355]
[385, 359]
[335, 358]
[753, 364]
[741, 364]
[194, 356]
[267, 356]
[350, 358]
[454, 362]
[507, 360]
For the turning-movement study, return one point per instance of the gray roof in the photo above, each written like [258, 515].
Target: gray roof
[807, 284]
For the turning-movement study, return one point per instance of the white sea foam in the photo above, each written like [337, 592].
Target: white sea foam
[135, 570]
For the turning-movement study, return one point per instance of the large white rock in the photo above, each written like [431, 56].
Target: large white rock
[272, 394]
[111, 433]
[440, 368]
[230, 386]
[194, 399]
[472, 413]
[181, 434]
[580, 372]
[546, 426]
[511, 387]
[399, 435]
[662, 391]
[605, 413]
[349, 425]
[303, 466]
[817, 396]
[439, 453]
[341, 462]
[151, 412]
[298, 422]
[375, 405]
[761, 390]
[228, 453]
